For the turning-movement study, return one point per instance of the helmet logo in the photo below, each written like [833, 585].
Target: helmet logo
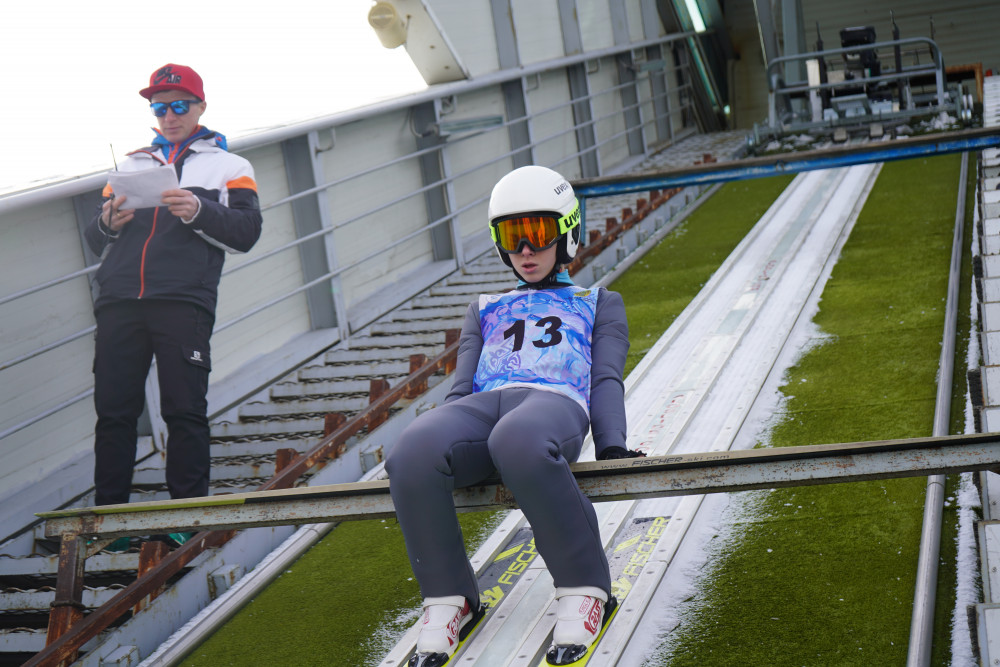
[562, 187]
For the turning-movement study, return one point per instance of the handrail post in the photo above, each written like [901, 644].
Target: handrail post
[67, 608]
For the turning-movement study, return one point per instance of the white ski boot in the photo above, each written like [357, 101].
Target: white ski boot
[581, 613]
[441, 630]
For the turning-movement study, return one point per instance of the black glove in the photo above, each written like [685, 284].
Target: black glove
[618, 453]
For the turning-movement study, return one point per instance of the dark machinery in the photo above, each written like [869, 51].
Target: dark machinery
[865, 87]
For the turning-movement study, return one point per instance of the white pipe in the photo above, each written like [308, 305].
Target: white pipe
[922, 622]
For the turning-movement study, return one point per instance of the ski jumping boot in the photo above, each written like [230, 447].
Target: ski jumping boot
[446, 622]
[582, 613]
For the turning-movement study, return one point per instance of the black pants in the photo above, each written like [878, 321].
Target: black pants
[129, 334]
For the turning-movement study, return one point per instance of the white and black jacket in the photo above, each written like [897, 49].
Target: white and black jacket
[157, 255]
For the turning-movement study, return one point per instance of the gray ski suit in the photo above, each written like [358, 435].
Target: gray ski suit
[523, 429]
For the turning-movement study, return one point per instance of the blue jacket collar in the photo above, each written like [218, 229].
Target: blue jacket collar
[168, 148]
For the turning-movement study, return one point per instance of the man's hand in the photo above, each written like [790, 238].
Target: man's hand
[182, 203]
[113, 217]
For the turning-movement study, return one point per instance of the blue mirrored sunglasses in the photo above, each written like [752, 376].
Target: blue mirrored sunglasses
[179, 107]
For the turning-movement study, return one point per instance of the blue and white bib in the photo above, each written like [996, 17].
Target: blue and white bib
[538, 338]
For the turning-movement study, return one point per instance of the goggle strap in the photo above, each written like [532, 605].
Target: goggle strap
[571, 219]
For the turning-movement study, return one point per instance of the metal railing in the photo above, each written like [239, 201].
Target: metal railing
[781, 89]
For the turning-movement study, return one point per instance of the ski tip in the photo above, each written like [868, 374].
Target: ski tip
[428, 660]
[565, 655]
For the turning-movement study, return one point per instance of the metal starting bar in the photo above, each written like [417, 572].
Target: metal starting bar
[602, 481]
[958, 141]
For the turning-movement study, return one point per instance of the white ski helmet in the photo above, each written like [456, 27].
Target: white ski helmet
[536, 191]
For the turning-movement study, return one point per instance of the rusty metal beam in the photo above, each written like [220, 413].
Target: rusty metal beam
[331, 445]
[602, 481]
[64, 649]
[67, 608]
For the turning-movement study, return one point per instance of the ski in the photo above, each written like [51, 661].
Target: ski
[629, 555]
[494, 583]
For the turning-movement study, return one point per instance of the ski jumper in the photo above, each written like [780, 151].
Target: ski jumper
[536, 368]
[158, 283]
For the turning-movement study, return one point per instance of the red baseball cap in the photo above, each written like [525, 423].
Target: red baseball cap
[174, 77]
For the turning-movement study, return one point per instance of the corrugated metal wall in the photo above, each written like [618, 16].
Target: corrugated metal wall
[965, 30]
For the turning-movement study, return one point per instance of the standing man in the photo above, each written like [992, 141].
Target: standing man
[158, 282]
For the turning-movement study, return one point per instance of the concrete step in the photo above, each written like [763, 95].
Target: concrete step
[228, 469]
[318, 406]
[301, 428]
[418, 325]
[331, 388]
[232, 448]
[488, 274]
[26, 566]
[359, 371]
[390, 341]
[443, 300]
[343, 386]
[41, 599]
[493, 287]
[22, 640]
[376, 354]
[445, 312]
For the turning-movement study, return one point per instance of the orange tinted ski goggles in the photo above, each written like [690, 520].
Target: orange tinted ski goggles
[538, 230]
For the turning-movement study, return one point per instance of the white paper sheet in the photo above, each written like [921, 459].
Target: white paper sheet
[143, 188]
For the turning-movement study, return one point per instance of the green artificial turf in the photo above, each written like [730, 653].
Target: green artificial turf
[346, 601]
[824, 575]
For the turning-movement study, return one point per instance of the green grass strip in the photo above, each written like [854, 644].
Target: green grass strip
[825, 575]
[346, 601]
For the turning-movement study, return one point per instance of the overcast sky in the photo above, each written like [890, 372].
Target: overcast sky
[71, 73]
